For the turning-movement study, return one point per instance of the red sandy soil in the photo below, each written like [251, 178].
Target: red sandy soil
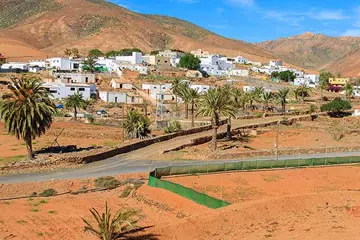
[316, 203]
[79, 134]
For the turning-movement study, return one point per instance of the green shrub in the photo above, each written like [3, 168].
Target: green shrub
[336, 107]
[174, 126]
[48, 193]
[106, 182]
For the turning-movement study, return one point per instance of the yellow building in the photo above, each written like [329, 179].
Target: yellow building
[339, 81]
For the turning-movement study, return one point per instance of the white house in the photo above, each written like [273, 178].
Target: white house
[241, 60]
[171, 54]
[135, 58]
[69, 77]
[158, 91]
[239, 72]
[216, 65]
[121, 84]
[275, 63]
[113, 96]
[62, 90]
[58, 63]
[201, 88]
[15, 65]
[313, 77]
[37, 63]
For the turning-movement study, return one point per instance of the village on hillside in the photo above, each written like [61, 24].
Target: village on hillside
[185, 131]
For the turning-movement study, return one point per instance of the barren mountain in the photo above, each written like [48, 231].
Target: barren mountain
[40, 27]
[349, 66]
[313, 51]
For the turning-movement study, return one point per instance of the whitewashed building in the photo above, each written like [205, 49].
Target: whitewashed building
[201, 88]
[135, 58]
[122, 84]
[15, 65]
[241, 60]
[62, 90]
[275, 63]
[112, 96]
[70, 77]
[171, 54]
[239, 72]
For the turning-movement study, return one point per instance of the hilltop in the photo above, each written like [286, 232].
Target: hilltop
[42, 27]
[315, 51]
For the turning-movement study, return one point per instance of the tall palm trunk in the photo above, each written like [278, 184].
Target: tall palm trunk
[30, 151]
[283, 107]
[186, 110]
[176, 106]
[214, 137]
[228, 128]
[75, 113]
[192, 114]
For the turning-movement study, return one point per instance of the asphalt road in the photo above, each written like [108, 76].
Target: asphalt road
[117, 165]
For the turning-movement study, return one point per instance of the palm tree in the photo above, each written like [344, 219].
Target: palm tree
[266, 98]
[282, 97]
[349, 89]
[182, 91]
[108, 227]
[67, 52]
[27, 110]
[177, 84]
[90, 63]
[136, 125]
[302, 91]
[255, 95]
[214, 104]
[191, 95]
[76, 102]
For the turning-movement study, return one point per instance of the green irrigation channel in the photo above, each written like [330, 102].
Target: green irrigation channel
[210, 202]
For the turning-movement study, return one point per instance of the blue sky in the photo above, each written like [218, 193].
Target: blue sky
[259, 20]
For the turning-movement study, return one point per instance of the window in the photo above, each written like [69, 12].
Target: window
[132, 99]
[53, 91]
[72, 89]
[81, 89]
[86, 79]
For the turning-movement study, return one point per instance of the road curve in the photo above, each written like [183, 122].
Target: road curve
[117, 165]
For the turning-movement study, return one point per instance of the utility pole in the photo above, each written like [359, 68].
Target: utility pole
[277, 141]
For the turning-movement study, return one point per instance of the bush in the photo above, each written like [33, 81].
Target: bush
[336, 107]
[174, 126]
[325, 98]
[127, 191]
[106, 182]
[189, 61]
[48, 193]
[90, 118]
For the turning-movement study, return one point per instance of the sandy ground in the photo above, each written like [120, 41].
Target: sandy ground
[306, 134]
[79, 134]
[313, 203]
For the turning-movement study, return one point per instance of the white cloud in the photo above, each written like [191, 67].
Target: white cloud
[352, 33]
[242, 3]
[328, 15]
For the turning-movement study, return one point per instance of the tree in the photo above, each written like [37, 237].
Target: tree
[129, 51]
[349, 91]
[108, 227]
[189, 61]
[192, 95]
[239, 98]
[215, 103]
[324, 81]
[112, 53]
[95, 53]
[177, 84]
[282, 97]
[266, 98]
[336, 107]
[287, 76]
[75, 52]
[68, 52]
[76, 102]
[255, 95]
[90, 63]
[274, 74]
[302, 91]
[137, 125]
[27, 110]
[155, 52]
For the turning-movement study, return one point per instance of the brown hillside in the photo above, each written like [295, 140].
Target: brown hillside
[312, 51]
[349, 66]
[53, 25]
